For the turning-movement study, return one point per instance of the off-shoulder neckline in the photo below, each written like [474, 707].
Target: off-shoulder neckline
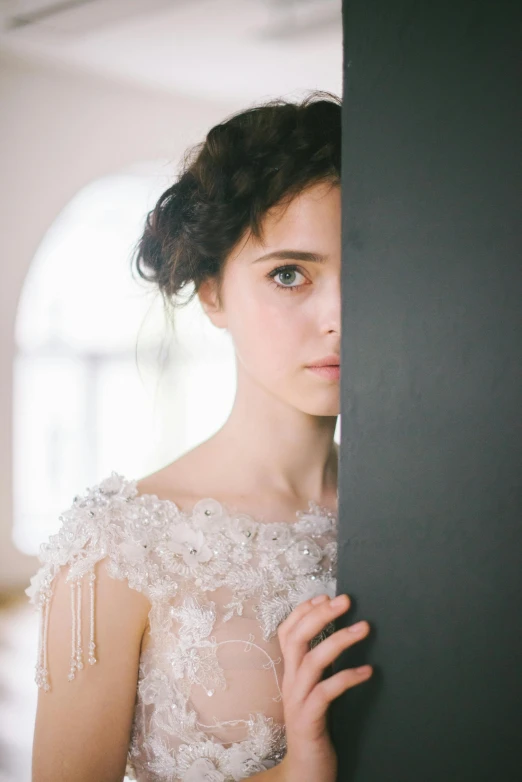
[314, 509]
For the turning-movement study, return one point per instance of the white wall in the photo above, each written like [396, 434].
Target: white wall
[59, 130]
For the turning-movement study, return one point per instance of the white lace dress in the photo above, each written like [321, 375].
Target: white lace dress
[208, 702]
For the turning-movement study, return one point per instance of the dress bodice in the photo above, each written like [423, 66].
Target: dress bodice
[208, 701]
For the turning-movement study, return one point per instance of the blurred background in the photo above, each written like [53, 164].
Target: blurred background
[99, 99]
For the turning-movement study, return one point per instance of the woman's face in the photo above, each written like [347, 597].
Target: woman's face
[284, 313]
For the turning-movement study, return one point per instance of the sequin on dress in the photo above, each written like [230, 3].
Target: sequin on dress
[208, 702]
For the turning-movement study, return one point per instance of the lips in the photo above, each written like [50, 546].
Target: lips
[327, 371]
[326, 361]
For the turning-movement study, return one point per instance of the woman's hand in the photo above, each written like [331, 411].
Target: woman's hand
[310, 753]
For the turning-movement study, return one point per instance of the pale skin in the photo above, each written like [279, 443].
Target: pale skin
[269, 464]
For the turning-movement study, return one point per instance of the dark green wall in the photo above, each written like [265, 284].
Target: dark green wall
[430, 539]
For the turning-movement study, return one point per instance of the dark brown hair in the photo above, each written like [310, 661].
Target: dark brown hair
[256, 159]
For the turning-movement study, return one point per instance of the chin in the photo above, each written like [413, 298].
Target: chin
[321, 407]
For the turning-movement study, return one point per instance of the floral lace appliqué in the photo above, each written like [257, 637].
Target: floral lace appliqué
[208, 701]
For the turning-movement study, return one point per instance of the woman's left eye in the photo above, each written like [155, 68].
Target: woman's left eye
[288, 270]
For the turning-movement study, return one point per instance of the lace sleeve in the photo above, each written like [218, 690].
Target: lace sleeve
[98, 525]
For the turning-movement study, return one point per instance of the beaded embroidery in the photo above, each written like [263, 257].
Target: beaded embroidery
[219, 584]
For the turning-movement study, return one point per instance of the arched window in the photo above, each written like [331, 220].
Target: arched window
[100, 381]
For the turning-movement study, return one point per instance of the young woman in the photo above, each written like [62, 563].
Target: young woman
[186, 618]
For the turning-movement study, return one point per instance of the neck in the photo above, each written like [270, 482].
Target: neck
[272, 447]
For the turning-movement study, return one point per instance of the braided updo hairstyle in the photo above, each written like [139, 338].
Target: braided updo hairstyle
[247, 164]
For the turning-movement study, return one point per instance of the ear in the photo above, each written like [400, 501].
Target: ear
[209, 299]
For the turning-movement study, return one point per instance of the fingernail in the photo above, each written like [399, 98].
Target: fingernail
[319, 599]
[355, 628]
[338, 601]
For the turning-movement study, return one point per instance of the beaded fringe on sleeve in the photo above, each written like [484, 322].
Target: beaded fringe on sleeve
[93, 527]
[44, 603]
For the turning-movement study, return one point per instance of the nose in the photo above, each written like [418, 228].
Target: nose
[331, 308]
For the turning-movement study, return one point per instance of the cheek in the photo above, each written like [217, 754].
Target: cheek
[269, 337]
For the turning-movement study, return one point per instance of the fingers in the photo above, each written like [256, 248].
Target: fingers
[306, 695]
[295, 636]
[328, 690]
[297, 614]
[316, 660]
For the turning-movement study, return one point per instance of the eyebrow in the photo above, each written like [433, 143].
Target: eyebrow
[292, 255]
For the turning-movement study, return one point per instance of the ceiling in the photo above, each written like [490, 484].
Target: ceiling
[234, 50]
